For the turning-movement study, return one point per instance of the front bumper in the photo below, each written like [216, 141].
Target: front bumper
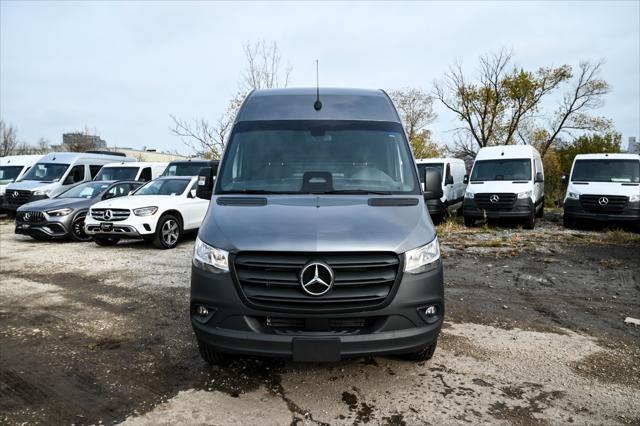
[573, 210]
[132, 227]
[521, 209]
[51, 226]
[399, 327]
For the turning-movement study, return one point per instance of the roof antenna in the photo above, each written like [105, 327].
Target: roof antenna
[317, 105]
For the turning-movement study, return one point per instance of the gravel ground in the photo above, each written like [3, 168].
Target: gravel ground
[534, 334]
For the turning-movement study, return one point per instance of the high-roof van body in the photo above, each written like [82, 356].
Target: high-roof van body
[453, 171]
[131, 170]
[56, 173]
[316, 245]
[506, 182]
[604, 188]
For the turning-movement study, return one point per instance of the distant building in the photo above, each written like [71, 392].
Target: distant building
[83, 139]
[633, 147]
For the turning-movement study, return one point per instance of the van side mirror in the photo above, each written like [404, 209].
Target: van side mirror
[539, 177]
[204, 188]
[466, 179]
[448, 180]
[432, 184]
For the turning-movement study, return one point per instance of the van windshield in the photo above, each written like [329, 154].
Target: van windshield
[340, 157]
[508, 169]
[9, 173]
[422, 167]
[117, 173]
[187, 168]
[606, 171]
[85, 190]
[163, 187]
[46, 172]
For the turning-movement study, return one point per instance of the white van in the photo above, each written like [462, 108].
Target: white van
[12, 168]
[55, 173]
[603, 187]
[135, 170]
[453, 171]
[507, 182]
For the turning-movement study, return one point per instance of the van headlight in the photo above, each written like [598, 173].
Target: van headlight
[210, 258]
[523, 195]
[573, 196]
[59, 212]
[43, 192]
[423, 258]
[145, 211]
[468, 194]
[634, 198]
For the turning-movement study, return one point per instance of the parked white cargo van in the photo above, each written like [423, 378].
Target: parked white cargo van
[12, 168]
[603, 187]
[453, 171]
[131, 170]
[55, 173]
[507, 182]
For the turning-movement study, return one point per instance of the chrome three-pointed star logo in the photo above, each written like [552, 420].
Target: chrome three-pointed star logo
[316, 278]
[494, 198]
[603, 201]
[108, 214]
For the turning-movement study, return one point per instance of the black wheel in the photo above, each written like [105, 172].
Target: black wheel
[40, 237]
[530, 223]
[77, 228]
[211, 356]
[167, 232]
[541, 211]
[469, 221]
[424, 354]
[103, 240]
[567, 222]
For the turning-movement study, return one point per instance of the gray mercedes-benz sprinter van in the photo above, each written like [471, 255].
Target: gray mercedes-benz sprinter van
[317, 244]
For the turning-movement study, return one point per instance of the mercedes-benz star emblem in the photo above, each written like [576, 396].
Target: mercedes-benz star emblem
[26, 217]
[15, 194]
[603, 201]
[108, 214]
[494, 198]
[316, 278]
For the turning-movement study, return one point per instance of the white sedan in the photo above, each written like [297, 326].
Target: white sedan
[160, 211]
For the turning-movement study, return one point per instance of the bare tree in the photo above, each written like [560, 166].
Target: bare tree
[264, 69]
[8, 139]
[496, 108]
[415, 107]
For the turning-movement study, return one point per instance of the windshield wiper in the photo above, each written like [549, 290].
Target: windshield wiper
[353, 192]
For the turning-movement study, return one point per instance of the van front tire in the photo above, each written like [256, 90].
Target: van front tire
[424, 354]
[469, 221]
[530, 223]
[211, 356]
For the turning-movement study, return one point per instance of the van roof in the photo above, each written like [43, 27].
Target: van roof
[337, 104]
[66, 157]
[610, 156]
[19, 160]
[438, 160]
[507, 151]
[135, 164]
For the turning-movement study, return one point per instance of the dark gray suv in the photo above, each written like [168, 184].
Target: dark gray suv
[317, 244]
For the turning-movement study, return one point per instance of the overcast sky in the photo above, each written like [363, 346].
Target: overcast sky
[122, 68]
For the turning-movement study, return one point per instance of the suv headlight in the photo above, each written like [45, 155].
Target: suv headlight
[423, 258]
[523, 195]
[46, 192]
[634, 198]
[468, 195]
[573, 195]
[59, 212]
[145, 211]
[210, 258]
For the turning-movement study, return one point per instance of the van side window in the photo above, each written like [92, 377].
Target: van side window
[448, 172]
[94, 169]
[145, 176]
[75, 175]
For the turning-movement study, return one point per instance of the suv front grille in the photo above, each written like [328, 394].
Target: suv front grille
[115, 214]
[17, 197]
[596, 203]
[505, 201]
[270, 280]
[30, 217]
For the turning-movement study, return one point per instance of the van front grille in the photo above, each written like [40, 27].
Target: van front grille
[495, 201]
[110, 215]
[604, 203]
[271, 280]
[335, 325]
[17, 197]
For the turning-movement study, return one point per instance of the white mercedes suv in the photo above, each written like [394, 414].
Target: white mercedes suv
[160, 211]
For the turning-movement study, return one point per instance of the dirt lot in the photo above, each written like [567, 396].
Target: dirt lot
[534, 334]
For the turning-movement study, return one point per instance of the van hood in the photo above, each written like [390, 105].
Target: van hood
[31, 185]
[311, 223]
[57, 203]
[604, 188]
[493, 186]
